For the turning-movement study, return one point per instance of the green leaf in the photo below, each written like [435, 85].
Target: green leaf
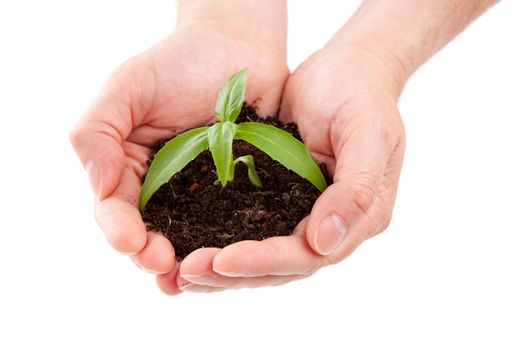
[231, 97]
[284, 148]
[220, 139]
[172, 158]
[252, 172]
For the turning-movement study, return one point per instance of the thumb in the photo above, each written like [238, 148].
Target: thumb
[361, 151]
[98, 138]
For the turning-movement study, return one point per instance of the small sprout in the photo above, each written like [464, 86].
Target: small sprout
[218, 138]
[252, 172]
[231, 97]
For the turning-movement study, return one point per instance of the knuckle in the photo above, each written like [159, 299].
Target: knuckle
[75, 136]
[364, 194]
[386, 223]
[382, 226]
[334, 258]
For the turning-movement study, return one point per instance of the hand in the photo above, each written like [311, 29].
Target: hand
[170, 87]
[344, 101]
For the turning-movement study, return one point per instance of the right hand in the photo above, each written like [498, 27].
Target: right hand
[344, 101]
[169, 88]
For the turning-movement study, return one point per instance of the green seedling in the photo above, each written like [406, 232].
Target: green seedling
[218, 138]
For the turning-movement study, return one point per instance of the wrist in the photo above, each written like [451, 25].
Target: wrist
[405, 33]
[391, 69]
[362, 64]
[376, 31]
[264, 22]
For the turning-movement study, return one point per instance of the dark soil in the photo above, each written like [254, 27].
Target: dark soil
[193, 213]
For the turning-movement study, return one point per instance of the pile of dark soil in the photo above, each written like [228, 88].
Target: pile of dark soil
[193, 213]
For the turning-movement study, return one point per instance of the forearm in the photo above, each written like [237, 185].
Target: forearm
[264, 21]
[405, 33]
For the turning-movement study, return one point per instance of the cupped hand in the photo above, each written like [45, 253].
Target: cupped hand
[169, 88]
[344, 102]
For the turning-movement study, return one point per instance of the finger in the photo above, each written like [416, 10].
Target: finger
[119, 217]
[195, 288]
[382, 211]
[158, 256]
[197, 263]
[362, 147]
[196, 275]
[98, 136]
[167, 282]
[215, 282]
[278, 256]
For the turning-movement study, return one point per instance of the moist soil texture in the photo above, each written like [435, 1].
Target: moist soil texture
[193, 213]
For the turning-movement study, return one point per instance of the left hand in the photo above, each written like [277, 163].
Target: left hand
[169, 88]
[344, 102]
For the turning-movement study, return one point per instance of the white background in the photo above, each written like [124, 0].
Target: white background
[448, 274]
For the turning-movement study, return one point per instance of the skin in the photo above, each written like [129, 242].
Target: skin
[344, 99]
[170, 87]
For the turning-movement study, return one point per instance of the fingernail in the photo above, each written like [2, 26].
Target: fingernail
[195, 288]
[329, 234]
[93, 172]
[152, 271]
[231, 273]
[205, 280]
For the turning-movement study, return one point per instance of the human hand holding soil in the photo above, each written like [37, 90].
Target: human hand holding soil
[172, 87]
[343, 99]
[344, 102]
